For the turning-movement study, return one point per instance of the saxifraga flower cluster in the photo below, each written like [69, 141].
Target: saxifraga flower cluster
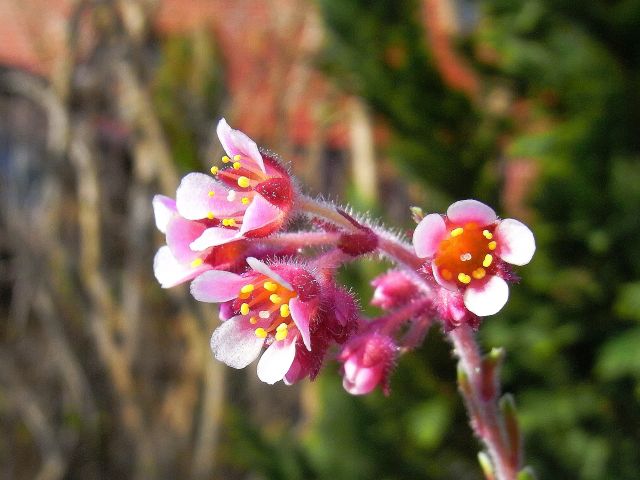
[227, 234]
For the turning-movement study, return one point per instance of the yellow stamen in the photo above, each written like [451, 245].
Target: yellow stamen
[270, 286]
[228, 222]
[282, 326]
[243, 182]
[464, 278]
[282, 334]
[492, 245]
[487, 234]
[244, 308]
[457, 231]
[487, 260]
[253, 320]
[210, 215]
[284, 310]
[237, 165]
[197, 262]
[245, 200]
[479, 273]
[248, 288]
[214, 170]
[275, 298]
[261, 332]
[236, 158]
[225, 159]
[446, 274]
[211, 193]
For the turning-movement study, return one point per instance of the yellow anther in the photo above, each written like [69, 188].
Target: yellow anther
[237, 165]
[214, 170]
[236, 158]
[446, 274]
[245, 200]
[211, 193]
[282, 334]
[244, 308]
[275, 298]
[260, 332]
[464, 278]
[457, 231]
[197, 262]
[487, 234]
[282, 326]
[210, 215]
[248, 288]
[492, 245]
[228, 222]
[243, 182]
[284, 310]
[478, 273]
[253, 320]
[225, 159]
[487, 260]
[270, 286]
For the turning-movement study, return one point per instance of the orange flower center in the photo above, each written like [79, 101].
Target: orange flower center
[466, 254]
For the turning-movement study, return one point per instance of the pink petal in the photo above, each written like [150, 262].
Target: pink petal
[193, 201]
[301, 313]
[515, 242]
[180, 234]
[259, 213]
[448, 284]
[214, 236]
[471, 211]
[262, 268]
[169, 272]
[276, 360]
[163, 209]
[428, 235]
[236, 142]
[217, 286]
[235, 344]
[487, 298]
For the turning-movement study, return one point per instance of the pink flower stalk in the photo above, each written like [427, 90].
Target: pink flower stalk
[392, 289]
[468, 250]
[271, 305]
[177, 262]
[367, 361]
[250, 196]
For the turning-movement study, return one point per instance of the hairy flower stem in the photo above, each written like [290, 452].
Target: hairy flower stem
[301, 239]
[482, 409]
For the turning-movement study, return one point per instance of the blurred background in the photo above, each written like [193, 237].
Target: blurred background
[530, 105]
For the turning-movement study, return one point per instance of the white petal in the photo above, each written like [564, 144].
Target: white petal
[487, 298]
[163, 209]
[214, 236]
[428, 235]
[516, 244]
[169, 272]
[276, 360]
[234, 344]
[471, 211]
[262, 268]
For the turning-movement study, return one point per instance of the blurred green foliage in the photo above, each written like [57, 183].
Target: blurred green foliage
[571, 328]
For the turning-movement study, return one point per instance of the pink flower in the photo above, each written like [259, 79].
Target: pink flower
[271, 305]
[251, 195]
[469, 249]
[367, 361]
[177, 262]
[392, 288]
